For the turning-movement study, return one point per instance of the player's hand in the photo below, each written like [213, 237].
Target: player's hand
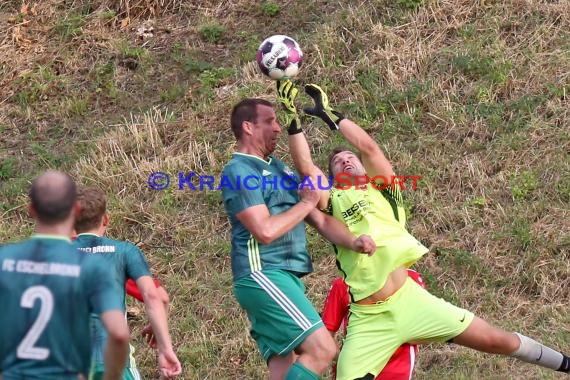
[169, 365]
[364, 244]
[286, 94]
[309, 195]
[148, 335]
[322, 108]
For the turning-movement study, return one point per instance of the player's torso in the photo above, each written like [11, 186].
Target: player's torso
[367, 210]
[377, 214]
[112, 251]
[278, 184]
[45, 315]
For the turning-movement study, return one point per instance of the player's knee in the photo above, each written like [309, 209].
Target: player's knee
[323, 353]
[328, 351]
[331, 352]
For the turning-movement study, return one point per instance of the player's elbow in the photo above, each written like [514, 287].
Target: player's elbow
[265, 237]
[120, 337]
[151, 296]
[118, 332]
[369, 148]
[265, 234]
[163, 295]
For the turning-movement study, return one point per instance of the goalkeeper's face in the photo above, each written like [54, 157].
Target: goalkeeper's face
[347, 162]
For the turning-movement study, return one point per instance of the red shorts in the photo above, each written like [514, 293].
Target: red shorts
[401, 364]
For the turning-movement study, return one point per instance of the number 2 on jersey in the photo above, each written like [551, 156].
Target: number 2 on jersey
[26, 349]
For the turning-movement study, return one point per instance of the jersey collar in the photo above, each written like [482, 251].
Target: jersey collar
[51, 236]
[87, 234]
[256, 157]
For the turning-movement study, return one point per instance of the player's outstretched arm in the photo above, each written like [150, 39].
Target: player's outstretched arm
[164, 298]
[298, 145]
[147, 332]
[117, 343]
[373, 159]
[168, 362]
[337, 233]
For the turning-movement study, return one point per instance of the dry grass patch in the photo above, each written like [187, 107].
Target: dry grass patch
[473, 96]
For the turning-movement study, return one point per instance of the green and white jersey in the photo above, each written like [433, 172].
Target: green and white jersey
[48, 292]
[380, 214]
[249, 181]
[124, 260]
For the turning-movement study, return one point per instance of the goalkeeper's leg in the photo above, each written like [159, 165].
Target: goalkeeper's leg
[483, 337]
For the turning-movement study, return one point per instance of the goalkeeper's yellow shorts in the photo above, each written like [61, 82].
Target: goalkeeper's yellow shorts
[411, 314]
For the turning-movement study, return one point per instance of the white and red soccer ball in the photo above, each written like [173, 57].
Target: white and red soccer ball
[279, 57]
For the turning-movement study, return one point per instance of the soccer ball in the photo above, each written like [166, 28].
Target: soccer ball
[279, 57]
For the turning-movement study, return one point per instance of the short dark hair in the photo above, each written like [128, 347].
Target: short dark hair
[93, 203]
[336, 151]
[52, 196]
[246, 110]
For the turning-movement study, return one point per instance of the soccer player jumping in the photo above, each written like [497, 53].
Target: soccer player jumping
[384, 301]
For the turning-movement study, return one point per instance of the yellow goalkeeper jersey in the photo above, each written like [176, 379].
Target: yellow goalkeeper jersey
[380, 214]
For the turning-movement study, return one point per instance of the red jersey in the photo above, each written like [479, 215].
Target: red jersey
[401, 364]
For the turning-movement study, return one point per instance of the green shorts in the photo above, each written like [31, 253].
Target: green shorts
[411, 314]
[280, 314]
[128, 374]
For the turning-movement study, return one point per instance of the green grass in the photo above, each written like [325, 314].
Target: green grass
[472, 96]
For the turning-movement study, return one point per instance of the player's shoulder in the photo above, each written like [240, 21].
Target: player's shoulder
[283, 167]
[236, 170]
[123, 246]
[239, 162]
[6, 248]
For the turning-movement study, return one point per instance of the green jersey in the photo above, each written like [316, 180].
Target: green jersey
[48, 292]
[249, 181]
[379, 214]
[125, 261]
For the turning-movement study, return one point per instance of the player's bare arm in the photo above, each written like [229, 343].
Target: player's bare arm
[373, 159]
[301, 154]
[298, 145]
[147, 332]
[337, 233]
[168, 362]
[265, 227]
[117, 343]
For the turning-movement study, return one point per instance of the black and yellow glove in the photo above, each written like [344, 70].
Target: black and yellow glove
[286, 94]
[322, 108]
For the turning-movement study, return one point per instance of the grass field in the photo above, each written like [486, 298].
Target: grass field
[472, 95]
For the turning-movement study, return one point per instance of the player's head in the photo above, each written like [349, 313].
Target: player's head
[93, 214]
[254, 124]
[53, 198]
[343, 160]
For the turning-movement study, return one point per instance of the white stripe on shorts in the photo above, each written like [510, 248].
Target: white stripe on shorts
[412, 360]
[135, 373]
[278, 296]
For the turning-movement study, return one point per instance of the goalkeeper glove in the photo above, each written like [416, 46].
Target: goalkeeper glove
[322, 108]
[286, 94]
